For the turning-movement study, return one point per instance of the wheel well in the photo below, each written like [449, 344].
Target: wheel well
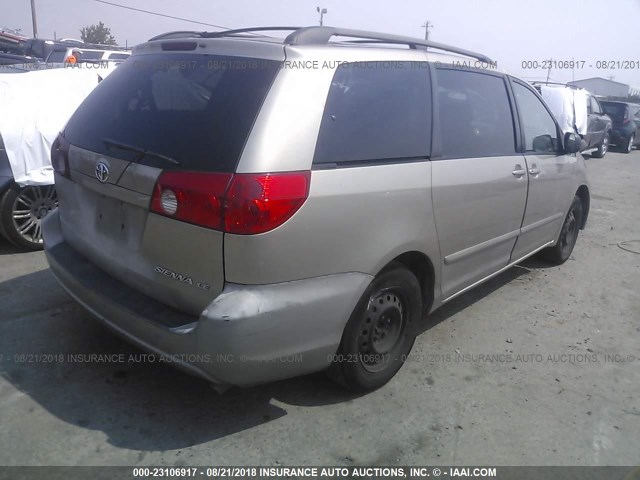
[585, 198]
[420, 265]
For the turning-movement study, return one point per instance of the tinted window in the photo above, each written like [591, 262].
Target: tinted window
[90, 55]
[196, 109]
[540, 131]
[118, 56]
[595, 108]
[57, 56]
[376, 111]
[475, 115]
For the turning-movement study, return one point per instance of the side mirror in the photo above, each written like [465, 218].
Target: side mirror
[543, 144]
[573, 143]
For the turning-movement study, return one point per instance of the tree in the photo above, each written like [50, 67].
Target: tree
[97, 34]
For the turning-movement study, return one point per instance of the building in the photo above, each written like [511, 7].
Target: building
[606, 88]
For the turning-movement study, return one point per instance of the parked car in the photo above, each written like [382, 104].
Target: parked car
[86, 54]
[302, 219]
[626, 124]
[35, 106]
[22, 208]
[577, 110]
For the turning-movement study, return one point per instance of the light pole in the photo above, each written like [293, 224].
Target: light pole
[33, 19]
[321, 12]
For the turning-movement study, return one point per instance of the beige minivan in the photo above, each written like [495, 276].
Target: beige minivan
[259, 208]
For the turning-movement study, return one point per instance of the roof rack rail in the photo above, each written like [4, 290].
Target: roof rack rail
[230, 33]
[220, 34]
[322, 35]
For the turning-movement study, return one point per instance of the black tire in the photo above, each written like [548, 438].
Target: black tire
[603, 148]
[21, 211]
[561, 251]
[381, 331]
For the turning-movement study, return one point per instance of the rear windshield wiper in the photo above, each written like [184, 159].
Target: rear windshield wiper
[141, 151]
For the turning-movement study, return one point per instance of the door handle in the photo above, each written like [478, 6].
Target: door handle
[519, 171]
[534, 170]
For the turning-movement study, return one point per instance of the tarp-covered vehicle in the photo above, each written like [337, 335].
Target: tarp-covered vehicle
[34, 107]
[578, 111]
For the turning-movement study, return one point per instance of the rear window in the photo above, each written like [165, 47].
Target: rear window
[615, 110]
[196, 109]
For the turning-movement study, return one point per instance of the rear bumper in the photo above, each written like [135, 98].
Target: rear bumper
[246, 336]
[621, 135]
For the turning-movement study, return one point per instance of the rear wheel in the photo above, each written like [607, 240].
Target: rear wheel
[561, 251]
[21, 212]
[380, 332]
[603, 148]
[629, 146]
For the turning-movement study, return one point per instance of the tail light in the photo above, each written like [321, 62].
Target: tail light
[191, 197]
[262, 202]
[60, 156]
[243, 204]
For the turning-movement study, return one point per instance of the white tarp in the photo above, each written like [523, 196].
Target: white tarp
[34, 108]
[569, 105]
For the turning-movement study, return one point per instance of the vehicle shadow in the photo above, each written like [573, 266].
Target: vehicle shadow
[139, 404]
[143, 405]
[474, 295]
[8, 248]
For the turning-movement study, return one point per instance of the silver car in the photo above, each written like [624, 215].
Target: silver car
[254, 209]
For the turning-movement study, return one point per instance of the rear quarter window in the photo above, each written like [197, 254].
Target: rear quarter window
[376, 111]
[196, 109]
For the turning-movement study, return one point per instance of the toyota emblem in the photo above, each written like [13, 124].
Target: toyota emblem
[102, 172]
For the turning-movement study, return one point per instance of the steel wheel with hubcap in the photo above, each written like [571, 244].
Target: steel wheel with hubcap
[561, 251]
[380, 332]
[21, 212]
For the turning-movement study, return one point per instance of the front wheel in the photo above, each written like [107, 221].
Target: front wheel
[561, 251]
[602, 149]
[21, 212]
[380, 332]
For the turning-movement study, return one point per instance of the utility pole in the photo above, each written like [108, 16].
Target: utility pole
[549, 71]
[33, 19]
[321, 12]
[426, 25]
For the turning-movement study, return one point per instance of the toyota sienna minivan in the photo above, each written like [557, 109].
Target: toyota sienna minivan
[258, 208]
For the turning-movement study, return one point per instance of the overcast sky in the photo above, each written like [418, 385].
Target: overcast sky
[508, 31]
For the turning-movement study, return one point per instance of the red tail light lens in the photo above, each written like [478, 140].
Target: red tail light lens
[191, 197]
[243, 204]
[60, 156]
[257, 203]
